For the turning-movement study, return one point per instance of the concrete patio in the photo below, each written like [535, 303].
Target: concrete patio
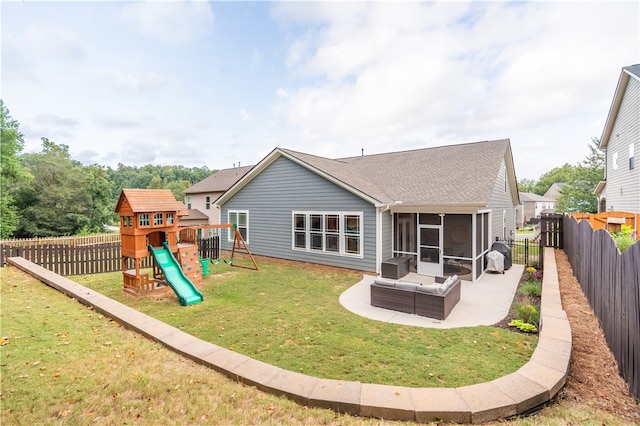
[485, 302]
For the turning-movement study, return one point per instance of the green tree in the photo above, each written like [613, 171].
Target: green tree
[577, 195]
[559, 174]
[526, 185]
[55, 202]
[155, 183]
[11, 171]
[100, 191]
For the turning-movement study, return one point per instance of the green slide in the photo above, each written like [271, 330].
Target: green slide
[187, 293]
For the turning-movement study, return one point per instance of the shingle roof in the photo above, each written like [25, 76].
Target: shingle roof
[532, 197]
[150, 200]
[195, 214]
[633, 69]
[454, 174]
[219, 181]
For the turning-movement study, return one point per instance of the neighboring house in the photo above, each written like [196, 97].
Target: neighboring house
[554, 190]
[620, 189]
[442, 207]
[200, 197]
[531, 205]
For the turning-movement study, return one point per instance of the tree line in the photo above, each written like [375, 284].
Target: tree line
[580, 181]
[51, 194]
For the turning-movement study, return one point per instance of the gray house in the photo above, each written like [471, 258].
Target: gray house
[620, 140]
[442, 207]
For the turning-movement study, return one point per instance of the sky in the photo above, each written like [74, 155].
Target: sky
[221, 84]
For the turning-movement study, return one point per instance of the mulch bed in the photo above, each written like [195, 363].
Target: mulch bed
[593, 372]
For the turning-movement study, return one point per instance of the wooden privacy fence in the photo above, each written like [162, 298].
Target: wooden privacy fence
[69, 259]
[78, 240]
[551, 230]
[611, 282]
[610, 221]
[66, 260]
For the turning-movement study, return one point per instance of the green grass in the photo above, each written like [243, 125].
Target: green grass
[290, 316]
[62, 363]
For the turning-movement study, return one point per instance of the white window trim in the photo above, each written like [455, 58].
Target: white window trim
[231, 234]
[341, 232]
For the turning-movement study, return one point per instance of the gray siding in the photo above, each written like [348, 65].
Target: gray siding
[284, 187]
[501, 201]
[387, 242]
[623, 185]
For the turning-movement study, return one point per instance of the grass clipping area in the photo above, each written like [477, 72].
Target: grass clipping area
[290, 316]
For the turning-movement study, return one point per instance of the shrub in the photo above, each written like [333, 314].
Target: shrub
[523, 326]
[625, 238]
[527, 310]
[531, 288]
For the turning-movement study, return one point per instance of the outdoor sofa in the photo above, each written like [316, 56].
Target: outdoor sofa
[429, 300]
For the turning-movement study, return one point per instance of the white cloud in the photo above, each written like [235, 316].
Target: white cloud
[170, 21]
[149, 82]
[396, 75]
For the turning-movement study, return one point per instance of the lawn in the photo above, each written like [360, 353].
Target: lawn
[62, 363]
[289, 315]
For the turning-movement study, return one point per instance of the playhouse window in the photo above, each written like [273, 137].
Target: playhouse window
[127, 221]
[158, 219]
[169, 218]
[143, 220]
[328, 232]
[241, 219]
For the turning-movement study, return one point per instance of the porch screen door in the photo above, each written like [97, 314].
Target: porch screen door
[430, 250]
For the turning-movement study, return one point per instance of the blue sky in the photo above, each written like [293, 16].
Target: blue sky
[220, 83]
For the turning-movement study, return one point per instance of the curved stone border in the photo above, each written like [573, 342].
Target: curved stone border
[535, 383]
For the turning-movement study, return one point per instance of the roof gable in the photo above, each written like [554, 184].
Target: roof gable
[219, 181]
[529, 197]
[630, 72]
[150, 200]
[448, 175]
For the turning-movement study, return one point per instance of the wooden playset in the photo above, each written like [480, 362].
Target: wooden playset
[149, 225]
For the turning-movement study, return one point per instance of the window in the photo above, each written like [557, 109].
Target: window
[189, 203]
[169, 218]
[241, 219]
[300, 231]
[352, 234]
[631, 157]
[207, 203]
[158, 219]
[332, 232]
[143, 220]
[328, 232]
[127, 221]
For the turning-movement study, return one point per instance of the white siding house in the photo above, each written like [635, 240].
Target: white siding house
[200, 198]
[620, 141]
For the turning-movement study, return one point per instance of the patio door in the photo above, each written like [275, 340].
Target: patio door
[430, 250]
